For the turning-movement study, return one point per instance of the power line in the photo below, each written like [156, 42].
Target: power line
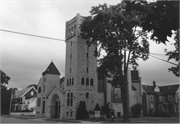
[32, 35]
[75, 42]
[164, 60]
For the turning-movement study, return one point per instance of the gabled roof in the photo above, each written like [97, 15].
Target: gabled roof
[51, 69]
[148, 89]
[21, 93]
[54, 88]
[169, 88]
[163, 89]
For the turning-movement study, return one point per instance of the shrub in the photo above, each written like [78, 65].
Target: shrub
[105, 110]
[97, 108]
[82, 113]
[162, 114]
[136, 110]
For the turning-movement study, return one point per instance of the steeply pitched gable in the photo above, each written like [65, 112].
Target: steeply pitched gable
[51, 69]
[169, 89]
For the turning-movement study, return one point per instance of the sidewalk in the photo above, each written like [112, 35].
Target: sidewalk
[108, 120]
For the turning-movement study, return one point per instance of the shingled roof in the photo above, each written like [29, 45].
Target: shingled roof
[163, 89]
[51, 69]
[149, 89]
[169, 88]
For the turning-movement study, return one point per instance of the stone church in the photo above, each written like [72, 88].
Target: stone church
[59, 98]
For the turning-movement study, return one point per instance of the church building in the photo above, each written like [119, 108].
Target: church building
[57, 99]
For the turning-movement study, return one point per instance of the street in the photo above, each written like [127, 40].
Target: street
[7, 119]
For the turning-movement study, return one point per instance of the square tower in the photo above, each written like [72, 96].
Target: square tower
[80, 70]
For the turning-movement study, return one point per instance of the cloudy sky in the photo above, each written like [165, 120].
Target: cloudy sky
[24, 58]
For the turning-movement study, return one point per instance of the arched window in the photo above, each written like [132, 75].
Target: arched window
[72, 81]
[87, 81]
[67, 82]
[69, 32]
[74, 29]
[39, 90]
[91, 82]
[87, 95]
[72, 32]
[82, 81]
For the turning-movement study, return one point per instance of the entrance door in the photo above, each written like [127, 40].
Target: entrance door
[55, 107]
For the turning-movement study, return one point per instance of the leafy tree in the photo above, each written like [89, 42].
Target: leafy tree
[4, 80]
[162, 20]
[115, 29]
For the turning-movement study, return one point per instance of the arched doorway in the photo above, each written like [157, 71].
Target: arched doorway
[55, 106]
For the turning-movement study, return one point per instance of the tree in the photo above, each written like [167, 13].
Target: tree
[136, 110]
[82, 113]
[162, 20]
[4, 80]
[115, 29]
[97, 108]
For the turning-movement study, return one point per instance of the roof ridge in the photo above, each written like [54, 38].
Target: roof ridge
[51, 69]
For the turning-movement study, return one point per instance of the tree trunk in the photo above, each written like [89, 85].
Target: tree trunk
[125, 97]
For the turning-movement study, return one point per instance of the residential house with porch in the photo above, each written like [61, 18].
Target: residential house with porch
[158, 100]
[24, 101]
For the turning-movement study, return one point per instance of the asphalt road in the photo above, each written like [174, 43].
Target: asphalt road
[5, 119]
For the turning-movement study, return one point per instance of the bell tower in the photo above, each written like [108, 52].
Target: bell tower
[80, 70]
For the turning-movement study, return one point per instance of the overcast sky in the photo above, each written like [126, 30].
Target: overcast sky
[24, 58]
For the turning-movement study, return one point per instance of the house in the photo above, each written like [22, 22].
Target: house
[24, 100]
[158, 100]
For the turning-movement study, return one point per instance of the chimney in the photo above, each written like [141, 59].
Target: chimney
[154, 83]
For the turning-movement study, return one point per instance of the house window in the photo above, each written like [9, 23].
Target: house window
[170, 97]
[87, 55]
[70, 70]
[151, 97]
[67, 114]
[38, 101]
[39, 90]
[71, 99]
[72, 81]
[87, 81]
[87, 70]
[82, 81]
[176, 108]
[32, 93]
[87, 95]
[67, 82]
[91, 82]
[68, 98]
